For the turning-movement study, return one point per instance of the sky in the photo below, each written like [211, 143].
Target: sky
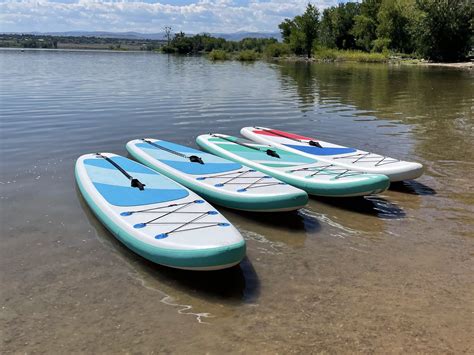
[149, 16]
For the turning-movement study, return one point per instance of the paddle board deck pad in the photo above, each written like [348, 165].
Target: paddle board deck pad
[156, 217]
[309, 174]
[350, 158]
[218, 180]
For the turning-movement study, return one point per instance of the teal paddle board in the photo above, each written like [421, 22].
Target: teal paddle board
[218, 180]
[338, 155]
[156, 217]
[309, 174]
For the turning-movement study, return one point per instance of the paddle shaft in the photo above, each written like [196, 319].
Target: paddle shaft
[192, 158]
[133, 182]
[310, 142]
[269, 152]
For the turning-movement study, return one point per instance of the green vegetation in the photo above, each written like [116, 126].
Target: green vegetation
[369, 31]
[247, 55]
[276, 50]
[218, 54]
[433, 29]
[331, 54]
[205, 43]
[444, 30]
[301, 32]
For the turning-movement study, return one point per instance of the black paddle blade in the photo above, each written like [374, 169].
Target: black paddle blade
[315, 144]
[272, 153]
[137, 183]
[195, 159]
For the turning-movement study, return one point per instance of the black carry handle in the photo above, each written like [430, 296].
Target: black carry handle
[272, 153]
[195, 159]
[137, 183]
[311, 142]
[315, 144]
[133, 182]
[192, 158]
[269, 152]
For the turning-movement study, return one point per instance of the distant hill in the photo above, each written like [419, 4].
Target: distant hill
[236, 36]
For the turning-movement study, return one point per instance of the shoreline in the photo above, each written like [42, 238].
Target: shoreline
[455, 65]
[394, 60]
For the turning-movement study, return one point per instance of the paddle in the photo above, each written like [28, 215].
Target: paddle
[133, 182]
[192, 158]
[269, 152]
[311, 142]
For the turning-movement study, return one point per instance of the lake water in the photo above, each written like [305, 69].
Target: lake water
[385, 273]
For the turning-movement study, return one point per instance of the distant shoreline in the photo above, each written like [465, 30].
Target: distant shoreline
[457, 65]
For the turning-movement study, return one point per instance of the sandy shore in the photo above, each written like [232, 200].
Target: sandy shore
[460, 65]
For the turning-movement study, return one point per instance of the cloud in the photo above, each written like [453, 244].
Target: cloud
[148, 16]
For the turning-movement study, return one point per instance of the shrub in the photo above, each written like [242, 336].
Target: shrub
[380, 44]
[247, 55]
[167, 49]
[276, 50]
[217, 54]
[351, 56]
[328, 54]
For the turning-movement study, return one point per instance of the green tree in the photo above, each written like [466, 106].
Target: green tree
[395, 24]
[364, 32]
[292, 36]
[337, 24]
[301, 32]
[365, 24]
[181, 43]
[444, 30]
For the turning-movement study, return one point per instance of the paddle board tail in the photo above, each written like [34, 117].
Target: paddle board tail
[350, 158]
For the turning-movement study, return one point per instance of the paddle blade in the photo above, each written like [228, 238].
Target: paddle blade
[272, 153]
[315, 144]
[137, 183]
[195, 159]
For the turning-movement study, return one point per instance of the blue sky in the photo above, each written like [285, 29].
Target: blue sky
[149, 16]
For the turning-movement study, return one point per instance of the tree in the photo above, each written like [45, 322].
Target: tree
[182, 44]
[394, 25]
[365, 24]
[336, 26]
[444, 31]
[167, 30]
[364, 32]
[301, 32]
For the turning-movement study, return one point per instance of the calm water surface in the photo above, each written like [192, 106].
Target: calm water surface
[392, 272]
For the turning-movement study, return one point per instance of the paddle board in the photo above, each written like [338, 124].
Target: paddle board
[350, 158]
[313, 176]
[218, 180]
[156, 217]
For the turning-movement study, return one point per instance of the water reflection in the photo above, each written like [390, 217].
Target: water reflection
[236, 284]
[435, 103]
[275, 229]
[412, 187]
[369, 205]
[302, 77]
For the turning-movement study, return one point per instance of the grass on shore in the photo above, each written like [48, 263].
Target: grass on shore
[217, 54]
[335, 55]
[320, 54]
[243, 56]
[247, 56]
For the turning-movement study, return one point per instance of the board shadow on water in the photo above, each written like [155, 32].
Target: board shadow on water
[278, 229]
[368, 205]
[282, 221]
[236, 284]
[412, 187]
